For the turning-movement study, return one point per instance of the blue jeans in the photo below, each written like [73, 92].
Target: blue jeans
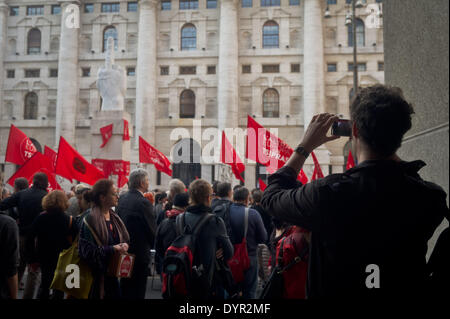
[250, 279]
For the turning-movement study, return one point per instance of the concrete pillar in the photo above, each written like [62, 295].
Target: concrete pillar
[68, 75]
[146, 94]
[4, 9]
[313, 61]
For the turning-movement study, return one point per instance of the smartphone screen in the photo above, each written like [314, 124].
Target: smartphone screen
[341, 128]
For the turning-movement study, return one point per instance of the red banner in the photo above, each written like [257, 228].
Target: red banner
[350, 161]
[262, 185]
[126, 131]
[149, 154]
[51, 154]
[20, 148]
[106, 132]
[37, 163]
[113, 167]
[229, 156]
[317, 173]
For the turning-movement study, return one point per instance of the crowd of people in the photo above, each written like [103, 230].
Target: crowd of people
[297, 241]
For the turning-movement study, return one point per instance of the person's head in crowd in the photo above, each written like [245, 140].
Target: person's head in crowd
[241, 195]
[55, 202]
[138, 180]
[72, 189]
[20, 183]
[87, 200]
[70, 194]
[236, 187]
[176, 186]
[104, 195]
[224, 190]
[214, 187]
[40, 180]
[256, 196]
[161, 198]
[150, 197]
[80, 189]
[5, 193]
[200, 192]
[181, 201]
[380, 117]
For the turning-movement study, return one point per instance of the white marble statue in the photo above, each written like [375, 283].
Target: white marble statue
[111, 82]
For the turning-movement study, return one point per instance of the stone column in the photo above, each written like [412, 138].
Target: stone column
[4, 9]
[146, 72]
[313, 61]
[68, 72]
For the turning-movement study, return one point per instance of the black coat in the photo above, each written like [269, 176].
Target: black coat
[379, 212]
[137, 214]
[29, 206]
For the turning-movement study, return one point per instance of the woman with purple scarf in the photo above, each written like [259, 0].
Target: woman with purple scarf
[102, 233]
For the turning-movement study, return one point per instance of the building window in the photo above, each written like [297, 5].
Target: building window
[261, 173]
[360, 37]
[131, 71]
[164, 70]
[187, 104]
[85, 72]
[166, 5]
[211, 4]
[34, 41]
[270, 3]
[186, 70]
[31, 106]
[361, 67]
[53, 73]
[88, 8]
[56, 9]
[331, 67]
[11, 74]
[35, 10]
[331, 1]
[295, 68]
[380, 66]
[271, 68]
[132, 7]
[294, 2]
[271, 103]
[270, 35]
[247, 3]
[188, 37]
[110, 7]
[32, 73]
[247, 68]
[211, 69]
[109, 32]
[379, 1]
[188, 4]
[14, 11]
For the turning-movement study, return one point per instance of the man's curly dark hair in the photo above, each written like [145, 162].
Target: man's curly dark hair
[382, 117]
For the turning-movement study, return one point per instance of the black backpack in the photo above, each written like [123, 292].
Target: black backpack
[182, 276]
[223, 211]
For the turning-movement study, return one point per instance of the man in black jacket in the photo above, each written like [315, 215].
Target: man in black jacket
[29, 206]
[370, 225]
[138, 216]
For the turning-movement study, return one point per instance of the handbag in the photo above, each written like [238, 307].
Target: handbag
[240, 262]
[60, 281]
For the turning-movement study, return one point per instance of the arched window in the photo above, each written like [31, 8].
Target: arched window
[271, 103]
[270, 35]
[187, 104]
[34, 41]
[31, 106]
[109, 32]
[360, 34]
[188, 37]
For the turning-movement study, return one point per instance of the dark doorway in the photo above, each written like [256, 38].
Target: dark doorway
[186, 157]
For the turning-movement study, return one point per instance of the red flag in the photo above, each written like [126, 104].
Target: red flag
[106, 132]
[265, 148]
[350, 161]
[126, 131]
[317, 173]
[70, 164]
[149, 154]
[37, 163]
[229, 156]
[262, 185]
[103, 165]
[122, 180]
[51, 154]
[20, 148]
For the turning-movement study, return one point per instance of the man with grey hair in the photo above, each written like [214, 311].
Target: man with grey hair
[176, 186]
[138, 216]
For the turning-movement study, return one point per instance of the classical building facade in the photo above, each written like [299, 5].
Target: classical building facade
[188, 61]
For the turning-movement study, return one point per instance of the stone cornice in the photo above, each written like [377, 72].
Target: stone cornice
[148, 4]
[67, 2]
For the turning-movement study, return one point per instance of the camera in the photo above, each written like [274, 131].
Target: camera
[341, 128]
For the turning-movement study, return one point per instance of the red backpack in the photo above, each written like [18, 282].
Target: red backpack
[240, 262]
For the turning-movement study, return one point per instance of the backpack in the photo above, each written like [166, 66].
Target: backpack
[223, 211]
[182, 276]
[240, 262]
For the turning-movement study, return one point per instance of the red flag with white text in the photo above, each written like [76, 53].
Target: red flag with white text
[20, 148]
[106, 132]
[229, 156]
[149, 154]
[51, 154]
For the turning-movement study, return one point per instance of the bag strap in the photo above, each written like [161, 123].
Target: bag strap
[296, 260]
[69, 237]
[245, 222]
[179, 224]
[99, 243]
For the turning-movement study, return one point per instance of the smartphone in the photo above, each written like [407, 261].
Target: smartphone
[341, 128]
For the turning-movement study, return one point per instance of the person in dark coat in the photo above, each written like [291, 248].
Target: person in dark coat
[139, 218]
[370, 225]
[29, 206]
[256, 205]
[9, 256]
